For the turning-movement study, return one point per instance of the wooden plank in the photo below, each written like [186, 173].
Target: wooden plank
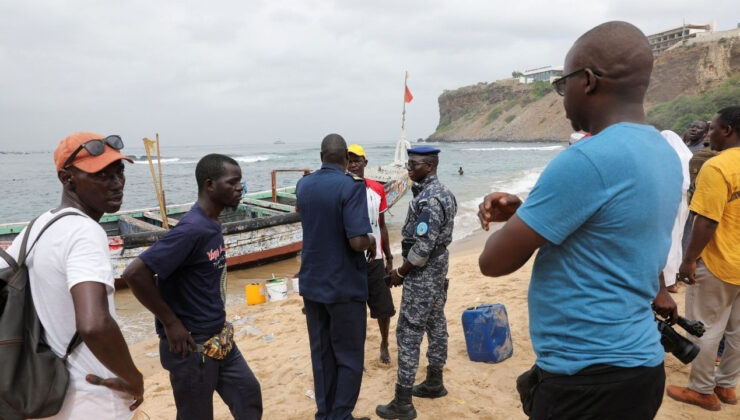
[269, 205]
[139, 224]
[262, 255]
[154, 216]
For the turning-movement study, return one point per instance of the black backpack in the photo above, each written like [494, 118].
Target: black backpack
[33, 379]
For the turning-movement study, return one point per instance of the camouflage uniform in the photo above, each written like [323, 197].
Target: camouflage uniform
[428, 225]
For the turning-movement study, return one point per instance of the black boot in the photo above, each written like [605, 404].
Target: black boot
[432, 387]
[400, 408]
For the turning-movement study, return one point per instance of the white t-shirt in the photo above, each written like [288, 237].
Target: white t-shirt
[376, 203]
[72, 250]
[675, 254]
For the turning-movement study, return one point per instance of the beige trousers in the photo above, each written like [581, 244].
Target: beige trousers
[717, 305]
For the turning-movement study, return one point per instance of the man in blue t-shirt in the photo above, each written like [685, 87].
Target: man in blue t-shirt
[187, 298]
[601, 216]
[336, 232]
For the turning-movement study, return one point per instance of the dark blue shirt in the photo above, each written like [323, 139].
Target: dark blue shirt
[333, 208]
[189, 262]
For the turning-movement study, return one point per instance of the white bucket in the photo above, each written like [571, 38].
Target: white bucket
[277, 289]
[295, 284]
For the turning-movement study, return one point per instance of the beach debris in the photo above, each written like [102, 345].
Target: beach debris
[274, 321]
[152, 355]
[249, 330]
[268, 338]
[248, 320]
[236, 318]
[310, 394]
[293, 356]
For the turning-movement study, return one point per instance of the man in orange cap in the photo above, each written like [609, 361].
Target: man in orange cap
[72, 280]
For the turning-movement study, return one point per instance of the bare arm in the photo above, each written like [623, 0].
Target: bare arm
[361, 243]
[664, 304]
[103, 337]
[701, 234]
[140, 278]
[509, 248]
[385, 243]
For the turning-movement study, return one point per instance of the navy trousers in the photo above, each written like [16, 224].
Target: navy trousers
[336, 332]
[195, 377]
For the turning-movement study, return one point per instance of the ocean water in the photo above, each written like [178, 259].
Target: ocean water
[29, 185]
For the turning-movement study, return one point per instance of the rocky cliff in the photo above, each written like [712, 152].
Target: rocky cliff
[507, 110]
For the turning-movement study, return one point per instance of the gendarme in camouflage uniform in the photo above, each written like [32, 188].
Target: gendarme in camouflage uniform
[428, 227]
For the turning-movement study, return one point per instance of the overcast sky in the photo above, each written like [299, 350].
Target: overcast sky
[246, 72]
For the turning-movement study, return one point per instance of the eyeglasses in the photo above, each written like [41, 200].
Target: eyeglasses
[413, 164]
[95, 147]
[559, 84]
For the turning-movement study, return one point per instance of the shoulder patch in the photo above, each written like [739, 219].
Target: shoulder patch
[421, 229]
[354, 177]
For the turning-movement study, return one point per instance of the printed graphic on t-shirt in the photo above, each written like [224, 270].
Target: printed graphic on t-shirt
[217, 257]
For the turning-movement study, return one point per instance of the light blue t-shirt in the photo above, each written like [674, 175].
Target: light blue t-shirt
[606, 206]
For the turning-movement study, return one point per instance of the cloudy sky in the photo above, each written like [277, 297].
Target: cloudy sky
[246, 72]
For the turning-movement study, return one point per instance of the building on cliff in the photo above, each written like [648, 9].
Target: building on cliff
[663, 40]
[541, 74]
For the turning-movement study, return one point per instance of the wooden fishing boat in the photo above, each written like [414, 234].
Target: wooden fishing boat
[265, 226]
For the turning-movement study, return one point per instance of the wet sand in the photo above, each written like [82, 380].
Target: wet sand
[279, 354]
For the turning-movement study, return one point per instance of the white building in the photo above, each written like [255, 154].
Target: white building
[541, 74]
[663, 40]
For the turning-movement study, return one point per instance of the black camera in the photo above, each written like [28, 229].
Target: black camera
[675, 343]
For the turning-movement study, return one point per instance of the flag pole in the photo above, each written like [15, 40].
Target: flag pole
[403, 114]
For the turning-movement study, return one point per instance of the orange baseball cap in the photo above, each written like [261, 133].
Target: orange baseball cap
[84, 161]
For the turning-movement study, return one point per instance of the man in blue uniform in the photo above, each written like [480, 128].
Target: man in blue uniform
[426, 234]
[336, 232]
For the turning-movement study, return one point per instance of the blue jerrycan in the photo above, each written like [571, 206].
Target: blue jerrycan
[487, 333]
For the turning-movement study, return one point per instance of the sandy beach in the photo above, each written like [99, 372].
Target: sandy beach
[280, 358]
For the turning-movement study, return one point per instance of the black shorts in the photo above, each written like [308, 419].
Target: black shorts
[379, 298]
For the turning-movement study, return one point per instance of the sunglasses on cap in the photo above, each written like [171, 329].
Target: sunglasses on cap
[95, 147]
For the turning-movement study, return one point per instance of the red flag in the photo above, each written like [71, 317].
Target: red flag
[408, 96]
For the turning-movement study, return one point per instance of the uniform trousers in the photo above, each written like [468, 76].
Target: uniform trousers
[716, 304]
[336, 332]
[422, 310]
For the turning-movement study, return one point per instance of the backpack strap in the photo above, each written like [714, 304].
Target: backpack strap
[73, 343]
[22, 255]
[76, 339]
[8, 259]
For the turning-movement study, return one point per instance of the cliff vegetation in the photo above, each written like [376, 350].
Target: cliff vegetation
[688, 82]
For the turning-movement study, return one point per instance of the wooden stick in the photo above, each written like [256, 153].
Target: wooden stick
[160, 196]
[154, 178]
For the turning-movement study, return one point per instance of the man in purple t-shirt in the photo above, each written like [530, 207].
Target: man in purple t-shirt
[187, 299]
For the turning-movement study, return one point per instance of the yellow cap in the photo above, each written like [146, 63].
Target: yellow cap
[356, 149]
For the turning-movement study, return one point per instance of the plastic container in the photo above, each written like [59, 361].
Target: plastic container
[277, 289]
[294, 284]
[254, 293]
[487, 334]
